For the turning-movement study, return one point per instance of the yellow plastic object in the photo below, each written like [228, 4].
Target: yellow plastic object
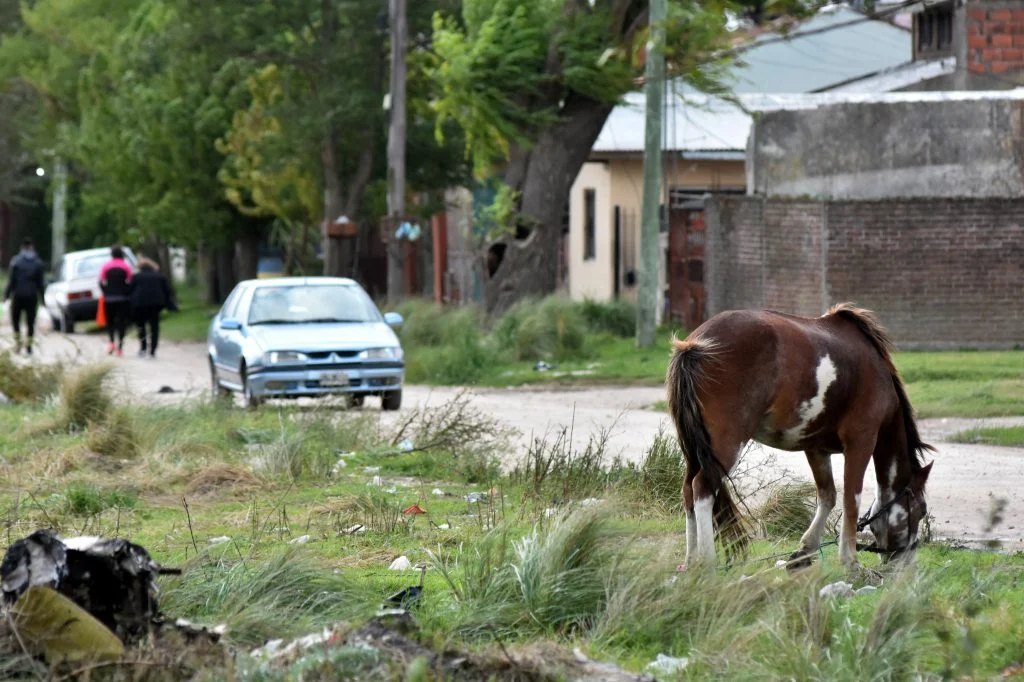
[48, 622]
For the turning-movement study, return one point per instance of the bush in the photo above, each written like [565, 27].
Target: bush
[617, 318]
[86, 499]
[552, 329]
[460, 355]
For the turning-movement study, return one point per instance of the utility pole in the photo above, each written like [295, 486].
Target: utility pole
[396, 147]
[59, 225]
[650, 220]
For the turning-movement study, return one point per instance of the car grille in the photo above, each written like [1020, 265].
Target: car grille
[326, 355]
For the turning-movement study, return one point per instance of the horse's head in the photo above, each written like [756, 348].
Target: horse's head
[896, 527]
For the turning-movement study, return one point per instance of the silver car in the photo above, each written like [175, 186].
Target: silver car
[305, 336]
[71, 296]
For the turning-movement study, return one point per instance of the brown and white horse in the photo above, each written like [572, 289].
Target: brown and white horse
[822, 385]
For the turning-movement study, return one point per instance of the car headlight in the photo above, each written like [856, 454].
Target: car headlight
[390, 353]
[281, 357]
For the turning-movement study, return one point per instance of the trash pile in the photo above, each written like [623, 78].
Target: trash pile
[82, 598]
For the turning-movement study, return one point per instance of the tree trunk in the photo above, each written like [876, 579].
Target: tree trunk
[527, 265]
[247, 255]
[206, 267]
[225, 271]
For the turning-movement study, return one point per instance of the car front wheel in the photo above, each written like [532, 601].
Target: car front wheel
[217, 391]
[250, 399]
[391, 400]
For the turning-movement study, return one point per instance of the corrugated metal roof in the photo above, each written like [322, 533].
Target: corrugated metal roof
[850, 55]
[813, 60]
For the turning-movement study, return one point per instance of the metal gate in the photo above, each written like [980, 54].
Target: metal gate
[686, 239]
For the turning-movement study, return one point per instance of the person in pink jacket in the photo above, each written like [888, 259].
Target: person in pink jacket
[115, 281]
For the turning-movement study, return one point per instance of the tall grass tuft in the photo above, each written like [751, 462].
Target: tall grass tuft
[116, 437]
[84, 397]
[26, 382]
[282, 596]
[556, 470]
[787, 510]
[659, 483]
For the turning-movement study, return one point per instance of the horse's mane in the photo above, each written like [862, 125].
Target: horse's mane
[872, 329]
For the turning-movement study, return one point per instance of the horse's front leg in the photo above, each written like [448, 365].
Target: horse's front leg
[856, 456]
[821, 468]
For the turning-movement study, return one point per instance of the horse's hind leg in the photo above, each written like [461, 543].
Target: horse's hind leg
[821, 468]
[691, 517]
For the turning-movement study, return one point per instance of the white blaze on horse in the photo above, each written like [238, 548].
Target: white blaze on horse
[821, 385]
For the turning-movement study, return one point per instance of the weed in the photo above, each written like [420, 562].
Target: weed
[659, 483]
[475, 441]
[786, 510]
[381, 515]
[84, 499]
[554, 470]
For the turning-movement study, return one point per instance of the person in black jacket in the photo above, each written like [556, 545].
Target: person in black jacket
[25, 289]
[150, 294]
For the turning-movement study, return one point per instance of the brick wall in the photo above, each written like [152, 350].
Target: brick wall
[995, 36]
[940, 273]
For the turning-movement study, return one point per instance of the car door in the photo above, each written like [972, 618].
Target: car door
[227, 342]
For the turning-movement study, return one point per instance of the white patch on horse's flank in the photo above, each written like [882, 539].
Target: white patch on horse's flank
[892, 473]
[811, 409]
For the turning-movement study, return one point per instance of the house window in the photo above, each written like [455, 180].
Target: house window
[589, 225]
[933, 31]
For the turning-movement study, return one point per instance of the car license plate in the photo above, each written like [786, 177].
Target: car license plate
[333, 379]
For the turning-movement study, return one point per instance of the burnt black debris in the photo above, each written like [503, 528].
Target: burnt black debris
[39, 559]
[113, 579]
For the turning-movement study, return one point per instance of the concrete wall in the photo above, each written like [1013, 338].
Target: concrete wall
[941, 273]
[941, 146]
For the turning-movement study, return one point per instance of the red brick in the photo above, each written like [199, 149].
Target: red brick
[990, 54]
[1018, 41]
[1018, 14]
[977, 41]
[1000, 15]
[1001, 40]
[976, 14]
[1012, 54]
[1000, 67]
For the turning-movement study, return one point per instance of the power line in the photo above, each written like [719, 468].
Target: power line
[874, 16]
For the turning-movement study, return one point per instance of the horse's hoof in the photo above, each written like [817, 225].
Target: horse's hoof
[798, 560]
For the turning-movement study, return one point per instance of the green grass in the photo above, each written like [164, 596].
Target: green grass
[192, 320]
[1011, 436]
[523, 563]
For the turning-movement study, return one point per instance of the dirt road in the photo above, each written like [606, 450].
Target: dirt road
[962, 481]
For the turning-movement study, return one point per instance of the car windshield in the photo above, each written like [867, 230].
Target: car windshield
[89, 267]
[301, 304]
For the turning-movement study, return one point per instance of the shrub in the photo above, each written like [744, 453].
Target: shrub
[116, 437]
[460, 356]
[612, 317]
[552, 329]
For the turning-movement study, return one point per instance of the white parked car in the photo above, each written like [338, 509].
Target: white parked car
[305, 336]
[72, 294]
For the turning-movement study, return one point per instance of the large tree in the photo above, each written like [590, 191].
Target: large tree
[532, 82]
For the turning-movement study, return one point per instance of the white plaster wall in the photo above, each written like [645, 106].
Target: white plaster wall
[591, 278]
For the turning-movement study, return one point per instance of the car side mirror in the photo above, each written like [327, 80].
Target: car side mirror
[393, 320]
[229, 324]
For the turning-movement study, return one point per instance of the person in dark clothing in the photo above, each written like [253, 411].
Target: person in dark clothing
[115, 281]
[150, 294]
[25, 289]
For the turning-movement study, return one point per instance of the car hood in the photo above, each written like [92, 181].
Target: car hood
[320, 337]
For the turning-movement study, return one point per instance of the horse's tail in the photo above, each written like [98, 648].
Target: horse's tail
[686, 370]
[870, 327]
